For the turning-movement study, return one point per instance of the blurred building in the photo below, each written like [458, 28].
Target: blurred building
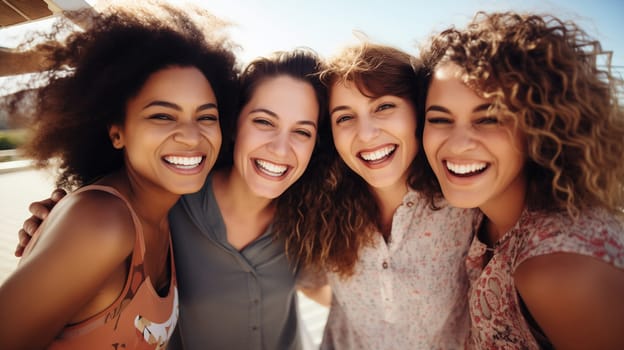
[15, 14]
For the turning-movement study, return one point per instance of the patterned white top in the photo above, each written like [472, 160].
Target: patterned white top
[497, 317]
[409, 293]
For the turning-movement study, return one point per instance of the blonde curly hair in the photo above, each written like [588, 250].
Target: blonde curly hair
[543, 74]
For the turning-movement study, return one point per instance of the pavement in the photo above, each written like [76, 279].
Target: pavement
[20, 185]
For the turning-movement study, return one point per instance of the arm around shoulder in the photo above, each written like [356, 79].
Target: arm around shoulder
[576, 300]
[82, 243]
[313, 283]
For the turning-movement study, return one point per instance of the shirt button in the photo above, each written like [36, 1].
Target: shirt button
[410, 204]
[384, 265]
[255, 328]
[256, 301]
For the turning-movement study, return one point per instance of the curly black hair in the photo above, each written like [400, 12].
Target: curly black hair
[90, 75]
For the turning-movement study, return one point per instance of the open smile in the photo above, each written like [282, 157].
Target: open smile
[466, 170]
[184, 163]
[379, 155]
[271, 169]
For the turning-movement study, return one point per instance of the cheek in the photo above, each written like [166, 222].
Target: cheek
[304, 153]
[430, 145]
[213, 135]
[341, 141]
[243, 140]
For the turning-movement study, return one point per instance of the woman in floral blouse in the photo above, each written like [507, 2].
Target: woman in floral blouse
[522, 123]
[395, 265]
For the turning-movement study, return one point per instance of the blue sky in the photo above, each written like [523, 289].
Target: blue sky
[263, 26]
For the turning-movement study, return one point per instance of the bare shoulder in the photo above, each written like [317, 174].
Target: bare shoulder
[93, 219]
[576, 299]
[87, 238]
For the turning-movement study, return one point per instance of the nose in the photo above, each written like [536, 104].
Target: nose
[187, 133]
[367, 129]
[279, 144]
[461, 140]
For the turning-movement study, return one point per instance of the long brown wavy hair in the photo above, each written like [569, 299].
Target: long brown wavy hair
[341, 217]
[544, 75]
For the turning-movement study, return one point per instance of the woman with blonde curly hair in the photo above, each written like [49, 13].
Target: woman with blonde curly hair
[522, 123]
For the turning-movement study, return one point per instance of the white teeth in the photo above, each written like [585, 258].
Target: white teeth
[184, 162]
[378, 154]
[465, 168]
[271, 169]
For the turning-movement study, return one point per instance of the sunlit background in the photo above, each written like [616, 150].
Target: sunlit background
[263, 26]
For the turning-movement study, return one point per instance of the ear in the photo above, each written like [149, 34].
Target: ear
[116, 136]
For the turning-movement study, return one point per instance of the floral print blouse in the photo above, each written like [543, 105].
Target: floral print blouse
[409, 293]
[496, 314]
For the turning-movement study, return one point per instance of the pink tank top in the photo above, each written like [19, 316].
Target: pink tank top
[139, 318]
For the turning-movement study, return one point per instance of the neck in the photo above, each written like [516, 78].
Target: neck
[388, 199]
[151, 203]
[234, 196]
[504, 212]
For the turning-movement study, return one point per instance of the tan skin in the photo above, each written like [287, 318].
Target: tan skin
[278, 125]
[361, 126]
[269, 128]
[575, 299]
[79, 281]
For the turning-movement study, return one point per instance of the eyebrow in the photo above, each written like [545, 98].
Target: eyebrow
[178, 108]
[274, 115]
[338, 109]
[479, 108]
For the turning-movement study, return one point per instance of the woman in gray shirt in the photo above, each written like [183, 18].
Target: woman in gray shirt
[237, 288]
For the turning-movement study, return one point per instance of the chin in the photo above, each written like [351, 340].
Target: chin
[465, 201]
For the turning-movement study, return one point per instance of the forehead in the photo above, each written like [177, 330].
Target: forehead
[183, 86]
[285, 96]
[447, 86]
[344, 90]
[176, 81]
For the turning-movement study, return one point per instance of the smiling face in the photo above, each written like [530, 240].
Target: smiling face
[375, 137]
[478, 158]
[171, 134]
[276, 134]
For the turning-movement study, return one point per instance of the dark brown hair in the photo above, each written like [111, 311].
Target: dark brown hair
[343, 215]
[91, 75]
[301, 64]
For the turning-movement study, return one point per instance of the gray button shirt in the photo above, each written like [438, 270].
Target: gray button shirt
[229, 299]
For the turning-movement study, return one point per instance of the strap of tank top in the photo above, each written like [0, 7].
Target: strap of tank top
[139, 240]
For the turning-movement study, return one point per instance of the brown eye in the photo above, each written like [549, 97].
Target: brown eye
[161, 116]
[343, 118]
[488, 121]
[208, 117]
[263, 122]
[438, 120]
[384, 106]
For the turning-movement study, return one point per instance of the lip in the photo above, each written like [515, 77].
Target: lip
[265, 173]
[464, 179]
[180, 168]
[381, 162]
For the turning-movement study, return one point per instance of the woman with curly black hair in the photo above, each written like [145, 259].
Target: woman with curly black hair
[237, 288]
[522, 123]
[131, 109]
